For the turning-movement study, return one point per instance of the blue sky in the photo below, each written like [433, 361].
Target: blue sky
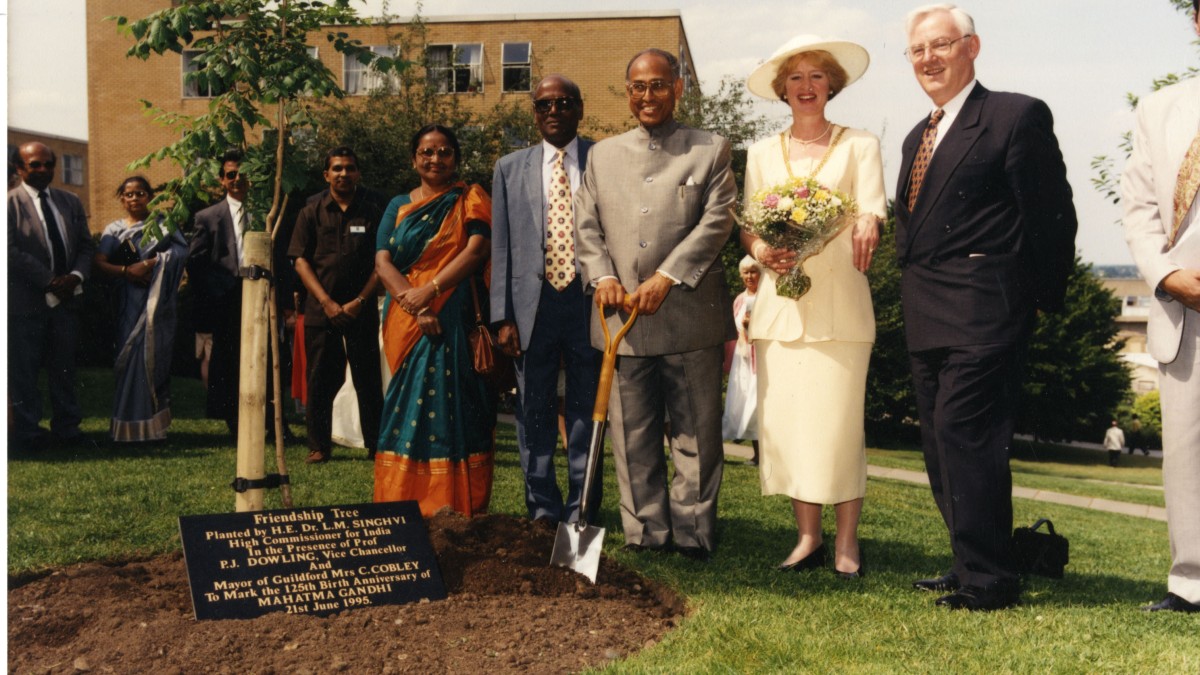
[1062, 51]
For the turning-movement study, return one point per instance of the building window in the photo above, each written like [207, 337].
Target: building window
[517, 69]
[72, 169]
[195, 84]
[456, 68]
[361, 79]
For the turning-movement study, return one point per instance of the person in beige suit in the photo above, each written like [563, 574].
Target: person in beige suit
[654, 209]
[813, 350]
[1158, 189]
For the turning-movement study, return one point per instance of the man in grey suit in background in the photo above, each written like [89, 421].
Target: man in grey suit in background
[654, 210]
[49, 257]
[1162, 226]
[539, 306]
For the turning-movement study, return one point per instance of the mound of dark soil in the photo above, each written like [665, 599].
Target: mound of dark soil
[507, 611]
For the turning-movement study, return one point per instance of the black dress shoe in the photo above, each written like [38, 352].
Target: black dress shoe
[809, 562]
[694, 553]
[976, 599]
[1173, 603]
[942, 584]
[856, 574]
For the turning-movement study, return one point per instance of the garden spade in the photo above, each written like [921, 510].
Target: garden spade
[577, 545]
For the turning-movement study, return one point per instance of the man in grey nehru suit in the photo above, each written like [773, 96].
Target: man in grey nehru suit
[1162, 225]
[655, 207]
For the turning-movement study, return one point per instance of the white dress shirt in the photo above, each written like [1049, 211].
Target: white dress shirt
[951, 110]
[235, 210]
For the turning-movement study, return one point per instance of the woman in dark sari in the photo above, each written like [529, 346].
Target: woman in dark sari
[147, 278]
[437, 435]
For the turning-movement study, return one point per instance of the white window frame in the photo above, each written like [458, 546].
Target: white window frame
[72, 169]
[186, 66]
[514, 66]
[360, 80]
[458, 74]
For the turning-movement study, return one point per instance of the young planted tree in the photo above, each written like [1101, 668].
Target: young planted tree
[255, 59]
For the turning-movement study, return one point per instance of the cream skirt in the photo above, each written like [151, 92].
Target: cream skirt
[810, 419]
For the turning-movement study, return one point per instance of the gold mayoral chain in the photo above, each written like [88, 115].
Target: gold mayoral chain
[787, 162]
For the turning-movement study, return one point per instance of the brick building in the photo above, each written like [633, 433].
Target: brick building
[484, 59]
[71, 173]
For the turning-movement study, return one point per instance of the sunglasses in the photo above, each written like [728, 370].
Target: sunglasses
[563, 103]
[134, 194]
[38, 165]
[440, 152]
[232, 175]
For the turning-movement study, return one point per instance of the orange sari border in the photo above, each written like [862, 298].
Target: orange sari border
[465, 486]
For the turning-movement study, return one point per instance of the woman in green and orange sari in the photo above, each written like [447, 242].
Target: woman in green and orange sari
[438, 428]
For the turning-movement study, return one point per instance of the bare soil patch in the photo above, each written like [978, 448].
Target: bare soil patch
[507, 611]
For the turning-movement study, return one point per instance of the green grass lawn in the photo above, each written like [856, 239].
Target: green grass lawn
[116, 502]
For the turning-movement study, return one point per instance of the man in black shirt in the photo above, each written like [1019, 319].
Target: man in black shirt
[333, 247]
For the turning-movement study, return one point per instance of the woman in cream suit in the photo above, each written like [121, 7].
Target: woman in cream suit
[813, 351]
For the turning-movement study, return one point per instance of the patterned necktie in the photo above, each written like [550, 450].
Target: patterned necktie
[560, 228]
[924, 154]
[57, 246]
[1186, 186]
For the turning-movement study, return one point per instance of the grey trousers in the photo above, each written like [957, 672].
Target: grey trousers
[687, 387]
[1179, 387]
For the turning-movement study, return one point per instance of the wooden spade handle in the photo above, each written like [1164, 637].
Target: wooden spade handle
[609, 364]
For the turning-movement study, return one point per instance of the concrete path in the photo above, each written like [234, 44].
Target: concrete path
[1123, 508]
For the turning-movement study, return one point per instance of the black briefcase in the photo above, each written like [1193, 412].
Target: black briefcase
[1042, 553]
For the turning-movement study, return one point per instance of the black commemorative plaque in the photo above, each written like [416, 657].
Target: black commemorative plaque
[308, 561]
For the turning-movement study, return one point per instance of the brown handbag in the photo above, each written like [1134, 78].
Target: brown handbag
[483, 348]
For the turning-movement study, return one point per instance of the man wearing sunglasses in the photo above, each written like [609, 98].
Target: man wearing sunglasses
[655, 208]
[538, 301]
[49, 257]
[216, 253]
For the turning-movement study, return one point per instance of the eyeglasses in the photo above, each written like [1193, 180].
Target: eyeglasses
[38, 165]
[657, 87]
[135, 194]
[440, 152]
[563, 103]
[939, 47]
[232, 175]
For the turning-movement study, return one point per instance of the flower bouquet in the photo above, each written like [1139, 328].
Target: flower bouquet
[800, 215]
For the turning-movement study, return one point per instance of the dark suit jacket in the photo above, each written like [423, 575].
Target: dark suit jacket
[213, 265]
[518, 237]
[992, 235]
[29, 271]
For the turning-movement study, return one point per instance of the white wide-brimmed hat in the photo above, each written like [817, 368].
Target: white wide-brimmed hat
[852, 57]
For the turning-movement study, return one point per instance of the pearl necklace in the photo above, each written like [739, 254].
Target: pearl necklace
[818, 137]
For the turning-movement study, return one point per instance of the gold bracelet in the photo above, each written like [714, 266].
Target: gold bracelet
[437, 290]
[124, 270]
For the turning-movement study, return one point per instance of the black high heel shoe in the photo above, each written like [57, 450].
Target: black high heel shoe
[809, 562]
[858, 573]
